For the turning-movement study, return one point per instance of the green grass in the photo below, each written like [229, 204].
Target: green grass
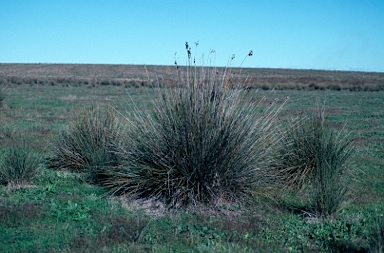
[60, 212]
[70, 75]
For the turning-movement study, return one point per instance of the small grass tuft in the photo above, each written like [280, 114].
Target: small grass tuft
[313, 157]
[19, 165]
[86, 144]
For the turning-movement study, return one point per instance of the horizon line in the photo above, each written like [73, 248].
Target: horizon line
[183, 66]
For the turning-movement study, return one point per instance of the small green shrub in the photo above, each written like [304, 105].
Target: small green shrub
[314, 155]
[334, 87]
[339, 235]
[86, 144]
[19, 165]
[203, 142]
[105, 83]
[362, 233]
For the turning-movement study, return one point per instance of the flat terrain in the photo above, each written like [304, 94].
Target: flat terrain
[139, 75]
[60, 212]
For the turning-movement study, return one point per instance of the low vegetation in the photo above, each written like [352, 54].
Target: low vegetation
[312, 158]
[135, 76]
[260, 185]
[19, 165]
[87, 144]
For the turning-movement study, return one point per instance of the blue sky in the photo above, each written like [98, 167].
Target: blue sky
[305, 34]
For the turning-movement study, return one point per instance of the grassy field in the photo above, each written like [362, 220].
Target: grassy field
[61, 212]
[139, 75]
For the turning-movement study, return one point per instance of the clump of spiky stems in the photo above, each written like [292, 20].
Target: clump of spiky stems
[298, 151]
[86, 144]
[203, 141]
[19, 164]
[314, 155]
[328, 189]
